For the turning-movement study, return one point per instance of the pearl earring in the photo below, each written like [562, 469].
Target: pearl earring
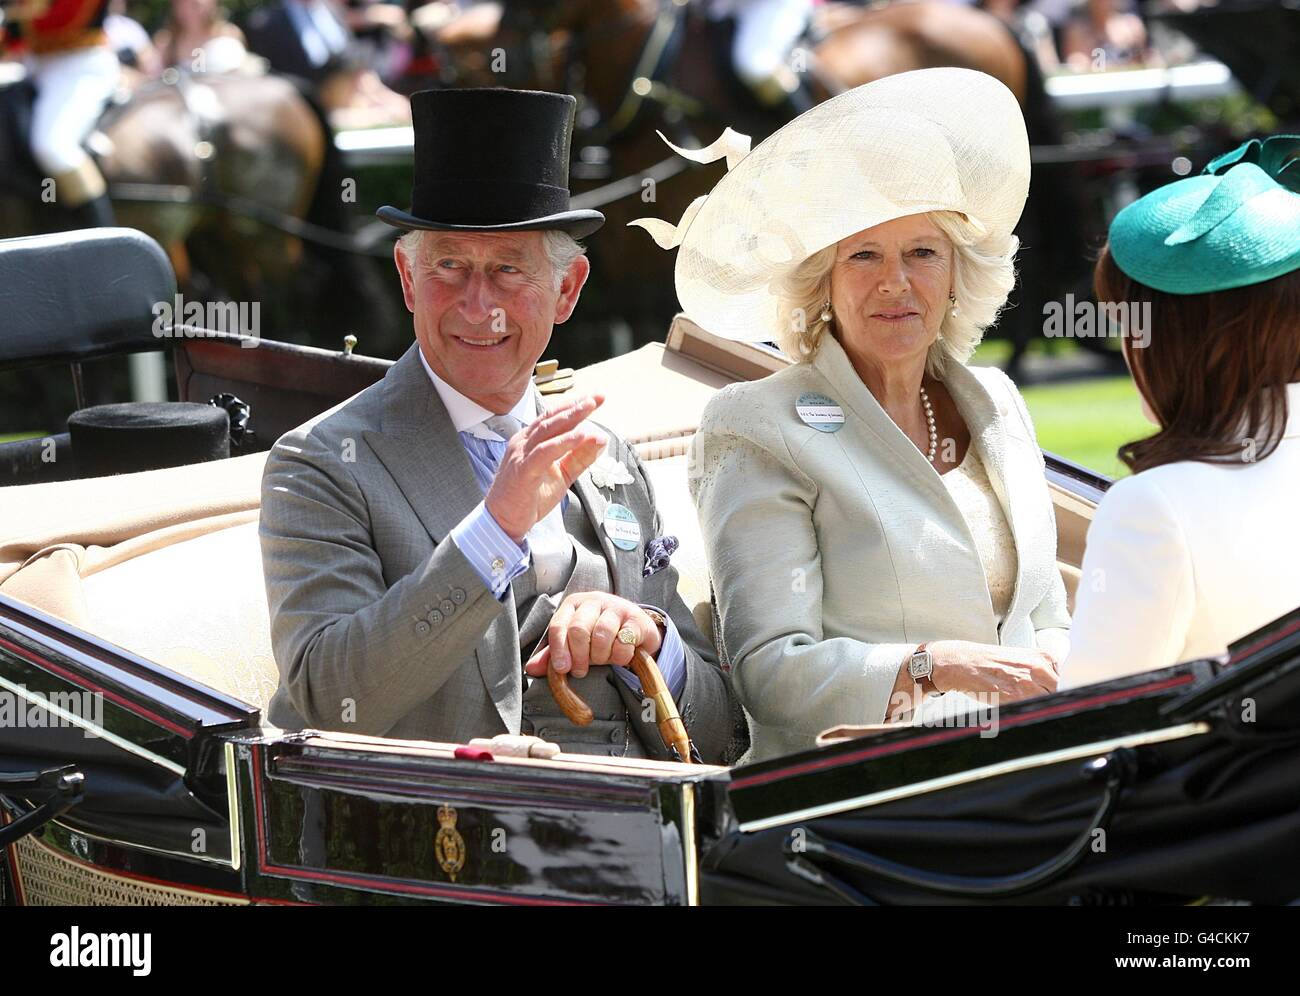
[826, 311]
[954, 310]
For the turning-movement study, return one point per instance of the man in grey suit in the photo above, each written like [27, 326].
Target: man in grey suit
[420, 538]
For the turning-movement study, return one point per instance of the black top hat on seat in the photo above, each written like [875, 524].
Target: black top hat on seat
[492, 160]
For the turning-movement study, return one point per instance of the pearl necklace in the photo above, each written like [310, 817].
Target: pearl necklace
[929, 418]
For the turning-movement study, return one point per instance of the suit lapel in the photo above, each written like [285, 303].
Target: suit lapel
[986, 416]
[419, 446]
[593, 504]
[421, 449]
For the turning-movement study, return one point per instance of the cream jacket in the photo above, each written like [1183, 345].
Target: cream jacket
[833, 554]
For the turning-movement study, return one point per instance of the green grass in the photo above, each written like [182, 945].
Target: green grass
[996, 352]
[1083, 420]
[1087, 420]
[10, 437]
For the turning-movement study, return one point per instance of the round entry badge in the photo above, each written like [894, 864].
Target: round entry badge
[819, 412]
[621, 527]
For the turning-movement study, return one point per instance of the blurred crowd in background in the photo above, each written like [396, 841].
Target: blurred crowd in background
[362, 55]
[214, 127]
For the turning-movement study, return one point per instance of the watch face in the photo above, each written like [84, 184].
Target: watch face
[920, 665]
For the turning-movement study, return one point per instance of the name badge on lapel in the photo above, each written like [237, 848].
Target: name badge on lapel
[621, 526]
[819, 412]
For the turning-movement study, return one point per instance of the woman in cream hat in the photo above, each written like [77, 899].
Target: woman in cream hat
[1200, 547]
[877, 519]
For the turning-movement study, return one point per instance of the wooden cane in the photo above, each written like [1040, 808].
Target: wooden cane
[669, 721]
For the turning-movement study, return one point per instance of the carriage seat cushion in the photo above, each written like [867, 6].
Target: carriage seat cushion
[165, 564]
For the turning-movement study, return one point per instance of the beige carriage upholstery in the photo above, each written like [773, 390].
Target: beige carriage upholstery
[1073, 516]
[167, 563]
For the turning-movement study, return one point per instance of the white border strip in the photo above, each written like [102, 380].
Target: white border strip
[977, 774]
[688, 844]
[96, 731]
[232, 800]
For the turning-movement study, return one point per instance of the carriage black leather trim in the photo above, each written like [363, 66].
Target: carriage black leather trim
[59, 789]
[76, 296]
[1118, 768]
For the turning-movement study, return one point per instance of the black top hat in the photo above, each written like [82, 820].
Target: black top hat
[492, 160]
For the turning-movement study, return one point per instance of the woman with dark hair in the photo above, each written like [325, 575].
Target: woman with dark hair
[199, 38]
[1200, 547]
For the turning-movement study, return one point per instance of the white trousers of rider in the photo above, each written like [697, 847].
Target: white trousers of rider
[71, 91]
[766, 32]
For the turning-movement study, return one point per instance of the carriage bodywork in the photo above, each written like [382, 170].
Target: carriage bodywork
[135, 766]
[189, 801]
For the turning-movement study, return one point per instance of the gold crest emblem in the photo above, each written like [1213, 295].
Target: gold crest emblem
[449, 845]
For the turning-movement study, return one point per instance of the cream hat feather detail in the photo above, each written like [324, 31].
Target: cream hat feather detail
[929, 140]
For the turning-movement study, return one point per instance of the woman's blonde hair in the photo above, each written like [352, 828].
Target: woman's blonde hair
[983, 273]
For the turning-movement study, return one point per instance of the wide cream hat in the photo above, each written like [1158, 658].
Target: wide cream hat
[929, 140]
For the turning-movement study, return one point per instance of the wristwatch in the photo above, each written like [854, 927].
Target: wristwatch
[921, 665]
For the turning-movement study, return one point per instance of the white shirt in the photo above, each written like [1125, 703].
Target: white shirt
[1186, 558]
[321, 34]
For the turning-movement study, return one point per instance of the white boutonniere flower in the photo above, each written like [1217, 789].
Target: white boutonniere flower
[607, 472]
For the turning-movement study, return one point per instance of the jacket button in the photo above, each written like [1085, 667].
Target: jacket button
[422, 628]
[458, 596]
[616, 736]
[434, 617]
[447, 607]
[616, 752]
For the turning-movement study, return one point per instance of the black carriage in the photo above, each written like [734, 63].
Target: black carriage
[136, 766]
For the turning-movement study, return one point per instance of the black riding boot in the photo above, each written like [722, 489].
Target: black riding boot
[94, 213]
[802, 99]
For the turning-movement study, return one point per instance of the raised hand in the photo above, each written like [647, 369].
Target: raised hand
[540, 463]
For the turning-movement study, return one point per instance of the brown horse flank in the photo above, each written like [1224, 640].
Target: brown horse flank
[250, 137]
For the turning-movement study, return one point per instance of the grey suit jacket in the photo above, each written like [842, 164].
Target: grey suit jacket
[381, 626]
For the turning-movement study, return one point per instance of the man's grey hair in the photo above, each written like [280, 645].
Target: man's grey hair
[561, 249]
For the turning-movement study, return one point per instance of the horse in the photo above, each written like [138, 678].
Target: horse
[214, 166]
[657, 65]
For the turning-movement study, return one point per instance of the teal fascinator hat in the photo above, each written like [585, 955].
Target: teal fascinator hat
[1236, 224]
